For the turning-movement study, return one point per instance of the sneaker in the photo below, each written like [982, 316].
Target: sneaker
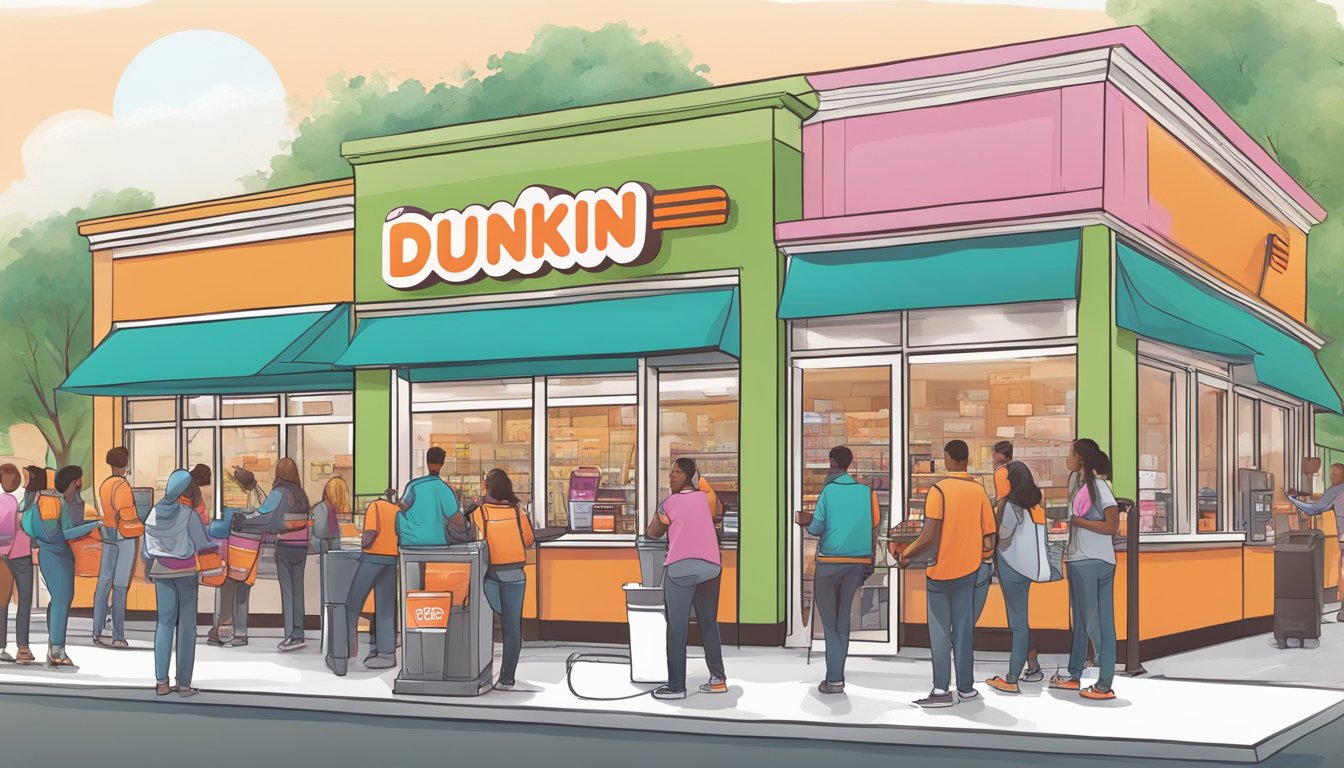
[1096, 694]
[292, 644]
[1002, 686]
[828, 687]
[1032, 676]
[503, 686]
[25, 656]
[715, 685]
[163, 689]
[1064, 683]
[5, 658]
[666, 693]
[936, 700]
[187, 692]
[63, 663]
[381, 662]
[970, 694]
[237, 641]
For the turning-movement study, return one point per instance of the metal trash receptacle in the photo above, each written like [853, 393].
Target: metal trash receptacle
[1299, 579]
[456, 657]
[648, 633]
[652, 558]
[338, 573]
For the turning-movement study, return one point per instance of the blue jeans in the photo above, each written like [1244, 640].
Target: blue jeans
[1092, 604]
[689, 584]
[58, 573]
[114, 579]
[506, 599]
[290, 562]
[835, 586]
[951, 630]
[1016, 594]
[376, 574]
[176, 600]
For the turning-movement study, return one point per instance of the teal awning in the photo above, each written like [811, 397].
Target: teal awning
[1159, 303]
[1006, 269]
[246, 355]
[532, 340]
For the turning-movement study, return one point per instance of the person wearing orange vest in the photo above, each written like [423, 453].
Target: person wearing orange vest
[53, 520]
[116, 502]
[500, 518]
[376, 573]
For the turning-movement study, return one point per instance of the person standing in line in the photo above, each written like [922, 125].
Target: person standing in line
[234, 596]
[173, 536]
[200, 481]
[692, 579]
[1090, 558]
[17, 559]
[53, 520]
[429, 508]
[508, 534]
[325, 533]
[1003, 456]
[959, 518]
[1018, 509]
[287, 512]
[1332, 500]
[376, 573]
[117, 503]
[845, 520]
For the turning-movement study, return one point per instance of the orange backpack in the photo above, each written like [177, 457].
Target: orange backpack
[506, 531]
[128, 523]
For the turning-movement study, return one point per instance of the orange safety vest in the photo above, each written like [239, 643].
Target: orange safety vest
[507, 533]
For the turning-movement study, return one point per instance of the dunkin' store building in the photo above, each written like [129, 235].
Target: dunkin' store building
[1031, 243]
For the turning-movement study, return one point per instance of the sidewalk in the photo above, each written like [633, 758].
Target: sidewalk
[772, 694]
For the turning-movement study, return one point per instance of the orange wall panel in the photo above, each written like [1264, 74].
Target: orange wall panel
[585, 584]
[1258, 576]
[315, 269]
[1207, 217]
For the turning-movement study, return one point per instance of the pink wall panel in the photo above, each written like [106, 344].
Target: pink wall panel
[814, 165]
[1126, 192]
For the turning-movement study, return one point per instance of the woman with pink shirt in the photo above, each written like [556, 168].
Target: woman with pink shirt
[16, 554]
[691, 579]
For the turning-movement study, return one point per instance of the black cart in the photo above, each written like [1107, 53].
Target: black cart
[1299, 577]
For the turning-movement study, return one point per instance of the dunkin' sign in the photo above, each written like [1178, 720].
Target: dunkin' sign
[543, 229]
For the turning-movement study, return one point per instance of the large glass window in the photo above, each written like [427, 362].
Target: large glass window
[250, 407]
[1273, 453]
[1030, 401]
[1002, 322]
[1211, 430]
[323, 452]
[141, 411]
[698, 419]
[338, 405]
[592, 468]
[153, 458]
[1157, 402]
[880, 330]
[476, 442]
[255, 449]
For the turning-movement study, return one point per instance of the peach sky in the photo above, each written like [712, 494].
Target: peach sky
[74, 60]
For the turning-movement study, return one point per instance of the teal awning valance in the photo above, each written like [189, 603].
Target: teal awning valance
[1157, 302]
[1005, 269]
[548, 339]
[290, 352]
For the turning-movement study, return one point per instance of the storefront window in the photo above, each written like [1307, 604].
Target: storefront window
[198, 407]
[1212, 446]
[1002, 322]
[1247, 453]
[335, 405]
[249, 407]
[591, 457]
[475, 443]
[858, 332]
[1156, 450]
[1273, 457]
[323, 452]
[698, 420]
[153, 457]
[146, 411]
[256, 449]
[1030, 401]
[201, 450]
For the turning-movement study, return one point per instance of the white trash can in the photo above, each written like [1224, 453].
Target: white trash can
[648, 633]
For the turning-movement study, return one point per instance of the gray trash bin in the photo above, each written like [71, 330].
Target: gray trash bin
[1299, 578]
[652, 557]
[447, 647]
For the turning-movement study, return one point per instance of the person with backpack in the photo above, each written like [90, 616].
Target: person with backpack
[508, 535]
[173, 538]
[959, 525]
[845, 519]
[1019, 514]
[286, 512]
[235, 595]
[121, 528]
[16, 556]
[1090, 558]
[376, 573]
[1003, 456]
[53, 519]
[691, 580]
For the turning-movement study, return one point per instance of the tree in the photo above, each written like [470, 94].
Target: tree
[1277, 67]
[45, 321]
[564, 67]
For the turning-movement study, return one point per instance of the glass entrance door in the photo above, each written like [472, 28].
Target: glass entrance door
[854, 402]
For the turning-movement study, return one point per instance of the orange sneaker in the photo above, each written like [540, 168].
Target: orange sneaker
[1064, 683]
[1002, 686]
[1096, 694]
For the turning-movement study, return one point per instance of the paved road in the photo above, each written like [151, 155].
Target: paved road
[42, 731]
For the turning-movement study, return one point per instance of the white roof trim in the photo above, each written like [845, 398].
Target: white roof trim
[271, 312]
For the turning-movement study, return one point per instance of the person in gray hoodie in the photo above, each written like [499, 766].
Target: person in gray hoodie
[173, 535]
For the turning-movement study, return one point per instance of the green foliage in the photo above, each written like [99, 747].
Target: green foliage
[46, 324]
[1276, 66]
[564, 67]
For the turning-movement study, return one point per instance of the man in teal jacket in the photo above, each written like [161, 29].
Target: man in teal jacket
[846, 520]
[429, 507]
